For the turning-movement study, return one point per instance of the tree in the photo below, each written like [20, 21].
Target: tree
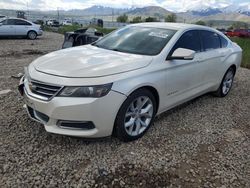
[200, 22]
[240, 25]
[150, 19]
[230, 28]
[123, 18]
[137, 19]
[171, 18]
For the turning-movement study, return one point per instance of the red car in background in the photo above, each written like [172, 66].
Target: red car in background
[238, 33]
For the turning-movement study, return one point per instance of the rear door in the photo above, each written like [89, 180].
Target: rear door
[7, 28]
[22, 27]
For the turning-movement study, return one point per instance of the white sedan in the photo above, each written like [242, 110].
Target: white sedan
[117, 85]
[19, 27]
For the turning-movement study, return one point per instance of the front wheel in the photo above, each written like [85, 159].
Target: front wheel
[226, 84]
[32, 35]
[135, 115]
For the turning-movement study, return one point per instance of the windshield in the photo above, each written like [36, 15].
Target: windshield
[137, 40]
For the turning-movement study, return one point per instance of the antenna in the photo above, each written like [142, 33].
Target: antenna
[58, 15]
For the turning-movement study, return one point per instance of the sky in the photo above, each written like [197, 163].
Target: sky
[173, 5]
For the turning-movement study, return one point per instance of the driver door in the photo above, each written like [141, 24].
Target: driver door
[184, 77]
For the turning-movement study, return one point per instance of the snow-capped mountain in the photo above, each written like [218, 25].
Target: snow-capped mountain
[207, 10]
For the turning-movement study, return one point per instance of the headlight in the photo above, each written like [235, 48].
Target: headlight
[86, 91]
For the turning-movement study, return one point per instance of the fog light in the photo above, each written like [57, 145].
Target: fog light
[83, 125]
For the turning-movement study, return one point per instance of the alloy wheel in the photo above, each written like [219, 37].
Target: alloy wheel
[32, 35]
[227, 82]
[138, 116]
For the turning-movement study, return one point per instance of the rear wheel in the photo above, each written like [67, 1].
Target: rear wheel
[226, 84]
[32, 35]
[135, 115]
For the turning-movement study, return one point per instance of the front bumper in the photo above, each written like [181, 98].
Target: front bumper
[40, 32]
[100, 112]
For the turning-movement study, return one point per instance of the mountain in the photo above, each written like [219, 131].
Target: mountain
[206, 12]
[97, 11]
[246, 12]
[243, 8]
[154, 11]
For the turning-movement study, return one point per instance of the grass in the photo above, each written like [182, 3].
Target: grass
[244, 43]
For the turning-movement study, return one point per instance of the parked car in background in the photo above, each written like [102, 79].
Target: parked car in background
[20, 27]
[52, 23]
[238, 33]
[118, 84]
[2, 17]
[67, 22]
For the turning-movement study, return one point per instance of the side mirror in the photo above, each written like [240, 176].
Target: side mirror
[183, 54]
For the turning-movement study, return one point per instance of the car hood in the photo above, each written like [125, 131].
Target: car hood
[89, 61]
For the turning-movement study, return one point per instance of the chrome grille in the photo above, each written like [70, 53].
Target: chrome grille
[44, 90]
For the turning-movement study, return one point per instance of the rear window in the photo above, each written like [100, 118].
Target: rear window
[210, 40]
[4, 22]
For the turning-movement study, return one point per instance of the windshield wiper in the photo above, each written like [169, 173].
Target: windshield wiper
[94, 44]
[116, 49]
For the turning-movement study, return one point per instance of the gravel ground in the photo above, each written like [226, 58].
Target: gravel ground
[203, 143]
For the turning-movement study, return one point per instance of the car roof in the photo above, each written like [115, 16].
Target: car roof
[174, 26]
[7, 18]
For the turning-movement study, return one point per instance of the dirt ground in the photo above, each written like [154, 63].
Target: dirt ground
[203, 143]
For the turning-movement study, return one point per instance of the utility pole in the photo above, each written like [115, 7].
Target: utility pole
[112, 15]
[28, 14]
[58, 16]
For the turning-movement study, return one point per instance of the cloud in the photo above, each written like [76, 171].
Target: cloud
[174, 5]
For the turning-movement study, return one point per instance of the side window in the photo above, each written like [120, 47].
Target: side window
[10, 22]
[189, 40]
[224, 42]
[210, 40]
[22, 22]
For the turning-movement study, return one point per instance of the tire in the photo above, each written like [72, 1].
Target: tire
[32, 35]
[226, 83]
[135, 116]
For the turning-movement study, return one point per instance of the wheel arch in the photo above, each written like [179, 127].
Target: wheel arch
[31, 30]
[150, 89]
[153, 90]
[234, 68]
